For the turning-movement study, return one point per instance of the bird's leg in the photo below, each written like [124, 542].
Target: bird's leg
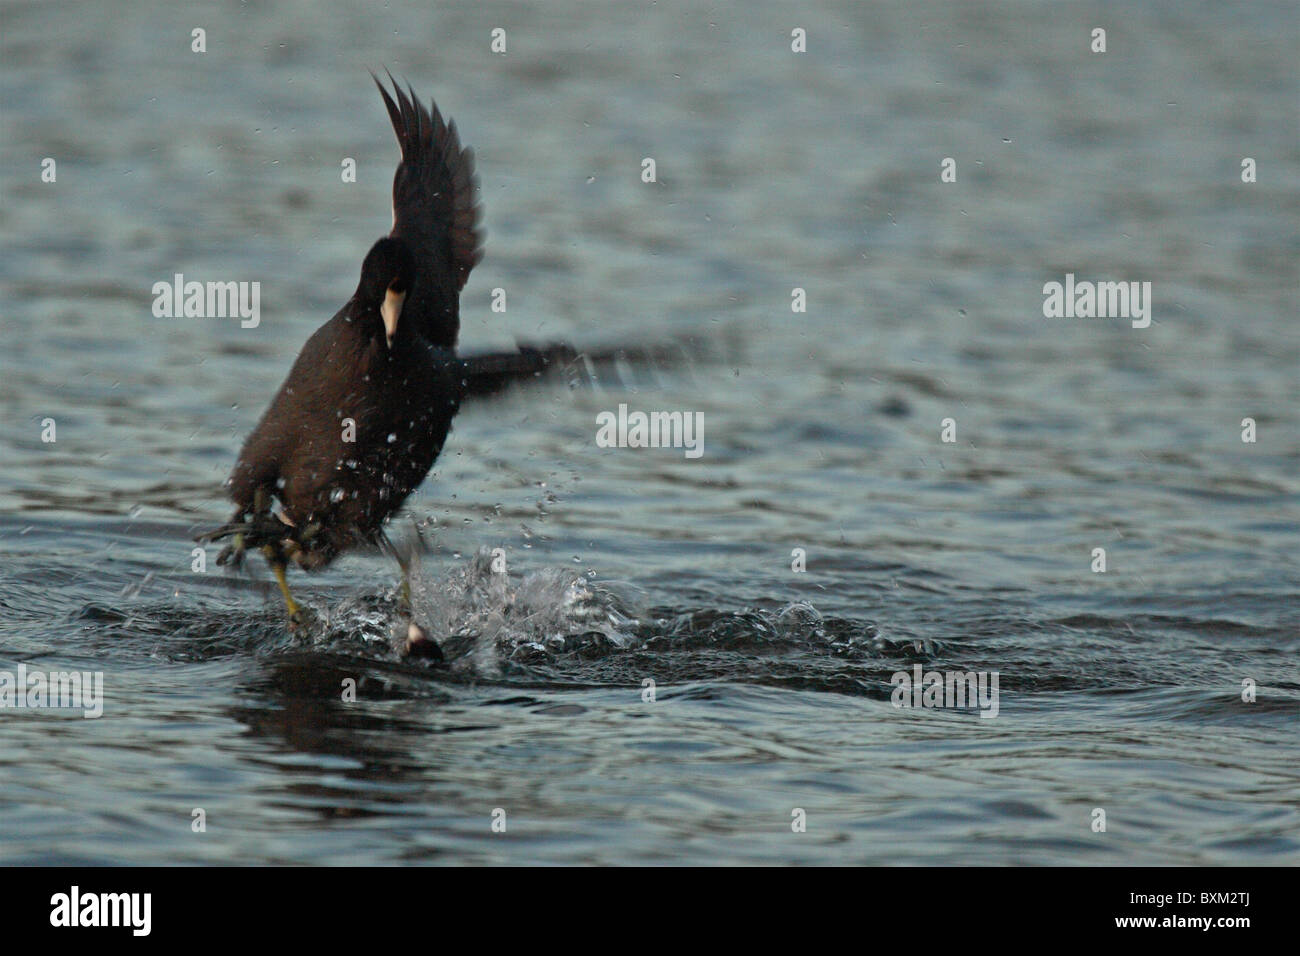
[403, 562]
[275, 556]
[276, 560]
[416, 641]
[405, 565]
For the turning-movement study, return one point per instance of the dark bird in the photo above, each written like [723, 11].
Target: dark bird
[367, 406]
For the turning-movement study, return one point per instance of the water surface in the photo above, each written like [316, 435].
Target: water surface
[1118, 690]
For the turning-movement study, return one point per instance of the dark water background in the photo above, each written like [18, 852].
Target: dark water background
[1119, 691]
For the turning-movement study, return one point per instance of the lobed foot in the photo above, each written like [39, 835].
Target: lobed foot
[419, 643]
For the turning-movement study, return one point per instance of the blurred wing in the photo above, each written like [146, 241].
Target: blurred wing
[435, 210]
[495, 372]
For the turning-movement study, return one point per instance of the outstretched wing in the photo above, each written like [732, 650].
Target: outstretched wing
[491, 373]
[435, 211]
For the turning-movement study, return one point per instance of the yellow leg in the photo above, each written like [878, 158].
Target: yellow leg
[404, 562]
[406, 584]
[277, 568]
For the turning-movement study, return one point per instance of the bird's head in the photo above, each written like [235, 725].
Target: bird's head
[386, 278]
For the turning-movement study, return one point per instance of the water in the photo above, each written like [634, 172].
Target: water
[1118, 690]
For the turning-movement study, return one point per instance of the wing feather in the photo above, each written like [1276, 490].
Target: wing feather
[435, 210]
